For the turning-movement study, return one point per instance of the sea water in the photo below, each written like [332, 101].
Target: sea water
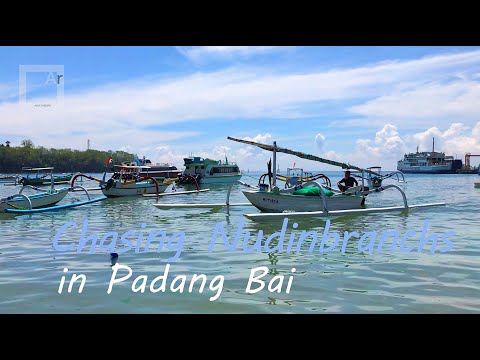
[345, 279]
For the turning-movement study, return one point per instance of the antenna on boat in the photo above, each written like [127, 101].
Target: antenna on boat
[433, 145]
[417, 148]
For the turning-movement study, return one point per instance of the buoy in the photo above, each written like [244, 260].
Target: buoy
[113, 258]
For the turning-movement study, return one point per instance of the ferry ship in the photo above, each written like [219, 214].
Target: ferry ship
[208, 171]
[429, 163]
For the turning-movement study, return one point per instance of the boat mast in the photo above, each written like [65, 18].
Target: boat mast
[433, 145]
[274, 163]
[52, 181]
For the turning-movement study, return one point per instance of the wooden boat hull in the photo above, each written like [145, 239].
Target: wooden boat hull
[132, 189]
[41, 200]
[270, 202]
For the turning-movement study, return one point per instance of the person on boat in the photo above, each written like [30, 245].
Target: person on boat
[348, 182]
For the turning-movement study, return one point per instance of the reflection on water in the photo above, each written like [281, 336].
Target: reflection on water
[351, 281]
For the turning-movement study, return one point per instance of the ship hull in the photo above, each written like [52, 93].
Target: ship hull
[221, 179]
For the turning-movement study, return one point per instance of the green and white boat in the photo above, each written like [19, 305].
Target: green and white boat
[208, 171]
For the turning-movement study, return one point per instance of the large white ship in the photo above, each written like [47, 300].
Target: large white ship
[429, 162]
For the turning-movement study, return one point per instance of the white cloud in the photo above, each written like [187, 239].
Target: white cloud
[387, 144]
[457, 139]
[121, 114]
[385, 150]
[319, 141]
[260, 138]
[252, 154]
[476, 131]
[435, 101]
[198, 53]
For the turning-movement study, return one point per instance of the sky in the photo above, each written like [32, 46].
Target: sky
[366, 106]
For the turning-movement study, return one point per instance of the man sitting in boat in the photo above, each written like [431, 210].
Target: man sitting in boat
[348, 182]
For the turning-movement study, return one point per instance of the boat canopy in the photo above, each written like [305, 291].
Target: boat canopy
[36, 169]
[303, 155]
[132, 167]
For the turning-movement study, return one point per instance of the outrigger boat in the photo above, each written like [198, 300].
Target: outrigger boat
[42, 201]
[42, 176]
[312, 197]
[8, 179]
[39, 177]
[126, 181]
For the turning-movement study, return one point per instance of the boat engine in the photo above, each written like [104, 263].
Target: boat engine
[109, 184]
[376, 182]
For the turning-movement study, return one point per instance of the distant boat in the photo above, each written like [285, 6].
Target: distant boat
[429, 163]
[278, 168]
[8, 178]
[42, 199]
[43, 176]
[208, 171]
[127, 181]
[157, 171]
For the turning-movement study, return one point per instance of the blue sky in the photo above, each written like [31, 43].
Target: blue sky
[363, 105]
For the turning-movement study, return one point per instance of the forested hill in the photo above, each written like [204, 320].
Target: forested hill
[12, 159]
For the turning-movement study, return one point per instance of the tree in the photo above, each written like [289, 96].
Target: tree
[27, 143]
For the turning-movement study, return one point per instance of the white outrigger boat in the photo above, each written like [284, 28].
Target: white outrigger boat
[126, 181]
[313, 198]
[44, 200]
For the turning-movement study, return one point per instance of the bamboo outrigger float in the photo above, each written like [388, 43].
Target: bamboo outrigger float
[202, 205]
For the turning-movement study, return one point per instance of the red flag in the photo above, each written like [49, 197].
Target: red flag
[109, 161]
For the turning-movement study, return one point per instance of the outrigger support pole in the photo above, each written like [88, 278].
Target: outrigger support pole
[388, 187]
[228, 194]
[81, 188]
[274, 164]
